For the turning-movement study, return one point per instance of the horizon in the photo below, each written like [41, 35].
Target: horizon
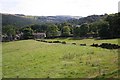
[57, 15]
[59, 7]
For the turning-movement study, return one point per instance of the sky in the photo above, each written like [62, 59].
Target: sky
[59, 7]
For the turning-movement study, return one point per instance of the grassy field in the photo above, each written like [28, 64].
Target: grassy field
[34, 59]
[86, 41]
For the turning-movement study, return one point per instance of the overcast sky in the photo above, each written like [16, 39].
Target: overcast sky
[59, 7]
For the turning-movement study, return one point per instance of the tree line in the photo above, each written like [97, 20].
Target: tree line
[108, 27]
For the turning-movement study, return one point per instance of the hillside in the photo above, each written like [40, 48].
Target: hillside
[88, 19]
[22, 20]
[55, 19]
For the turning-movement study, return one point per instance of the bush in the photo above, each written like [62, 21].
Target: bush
[107, 46]
[56, 42]
[82, 44]
[42, 40]
[45, 41]
[95, 45]
[38, 40]
[74, 43]
[50, 42]
[63, 42]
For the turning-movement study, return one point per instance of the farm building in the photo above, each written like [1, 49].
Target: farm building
[39, 35]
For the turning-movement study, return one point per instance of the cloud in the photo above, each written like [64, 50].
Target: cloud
[59, 7]
[9, 5]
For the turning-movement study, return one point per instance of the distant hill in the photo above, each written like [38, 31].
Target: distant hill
[22, 20]
[52, 19]
[88, 19]
[55, 19]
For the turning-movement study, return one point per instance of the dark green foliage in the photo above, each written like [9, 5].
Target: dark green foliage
[50, 42]
[52, 30]
[95, 45]
[114, 25]
[74, 43]
[103, 29]
[106, 45]
[39, 28]
[76, 31]
[27, 33]
[82, 44]
[106, 28]
[56, 42]
[66, 31]
[93, 28]
[63, 42]
[83, 30]
[9, 32]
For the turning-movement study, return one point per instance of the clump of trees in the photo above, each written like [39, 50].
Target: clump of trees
[114, 24]
[8, 32]
[100, 28]
[27, 33]
[52, 30]
[66, 31]
[81, 31]
[108, 27]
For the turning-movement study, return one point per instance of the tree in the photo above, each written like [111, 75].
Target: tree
[27, 33]
[103, 29]
[114, 25]
[39, 28]
[76, 31]
[10, 31]
[66, 31]
[100, 28]
[93, 28]
[52, 30]
[83, 30]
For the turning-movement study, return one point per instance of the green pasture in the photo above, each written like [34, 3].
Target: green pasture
[34, 59]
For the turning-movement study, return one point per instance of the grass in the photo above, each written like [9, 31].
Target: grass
[34, 59]
[86, 41]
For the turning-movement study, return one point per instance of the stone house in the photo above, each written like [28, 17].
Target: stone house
[39, 35]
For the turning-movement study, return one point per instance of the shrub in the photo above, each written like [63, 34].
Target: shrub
[38, 40]
[42, 40]
[56, 42]
[109, 46]
[74, 43]
[82, 44]
[49, 41]
[95, 45]
[63, 42]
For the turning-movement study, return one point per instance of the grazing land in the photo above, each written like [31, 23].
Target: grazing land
[35, 59]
